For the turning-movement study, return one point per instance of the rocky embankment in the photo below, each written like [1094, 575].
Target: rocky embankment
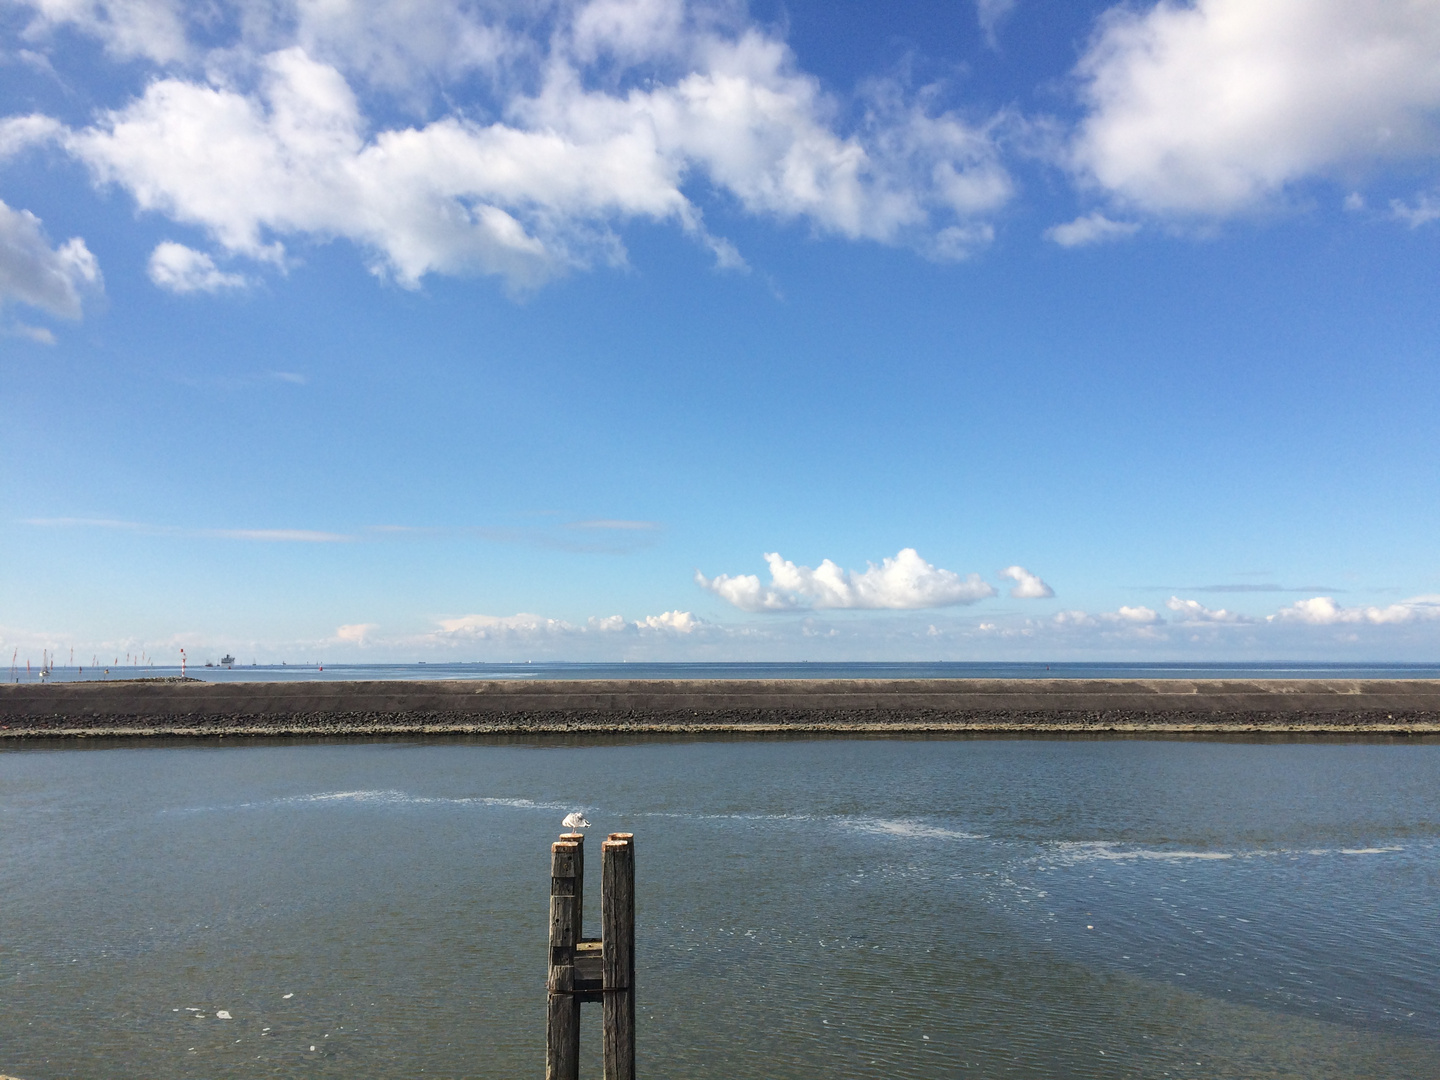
[170, 707]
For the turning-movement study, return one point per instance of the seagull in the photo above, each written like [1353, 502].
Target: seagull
[575, 820]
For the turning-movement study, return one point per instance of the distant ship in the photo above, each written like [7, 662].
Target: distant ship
[227, 660]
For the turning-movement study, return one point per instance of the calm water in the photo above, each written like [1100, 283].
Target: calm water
[840, 908]
[913, 670]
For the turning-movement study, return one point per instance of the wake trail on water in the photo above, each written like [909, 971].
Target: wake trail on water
[1081, 851]
[894, 828]
[1058, 853]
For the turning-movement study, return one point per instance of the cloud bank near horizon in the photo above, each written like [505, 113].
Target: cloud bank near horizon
[1309, 629]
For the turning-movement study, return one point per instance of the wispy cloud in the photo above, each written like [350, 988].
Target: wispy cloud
[615, 523]
[604, 536]
[1093, 228]
[1241, 587]
[38, 334]
[301, 536]
[297, 536]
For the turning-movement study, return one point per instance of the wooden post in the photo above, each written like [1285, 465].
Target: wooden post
[578, 839]
[562, 1031]
[617, 918]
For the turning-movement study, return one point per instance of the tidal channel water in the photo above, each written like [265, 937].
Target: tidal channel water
[907, 908]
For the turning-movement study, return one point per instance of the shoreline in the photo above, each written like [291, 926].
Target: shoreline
[146, 709]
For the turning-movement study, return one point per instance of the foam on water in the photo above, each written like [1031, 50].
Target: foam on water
[902, 829]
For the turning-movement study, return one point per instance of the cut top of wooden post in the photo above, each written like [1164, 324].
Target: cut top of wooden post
[564, 867]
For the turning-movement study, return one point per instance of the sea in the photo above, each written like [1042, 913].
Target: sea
[806, 907]
[319, 670]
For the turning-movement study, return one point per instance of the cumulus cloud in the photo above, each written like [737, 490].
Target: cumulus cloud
[1093, 228]
[1324, 611]
[597, 114]
[32, 272]
[180, 269]
[1192, 611]
[676, 622]
[1214, 107]
[905, 581]
[355, 633]
[1027, 585]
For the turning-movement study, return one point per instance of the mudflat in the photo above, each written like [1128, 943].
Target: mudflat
[171, 707]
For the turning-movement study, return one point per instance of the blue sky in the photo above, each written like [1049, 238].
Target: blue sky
[645, 329]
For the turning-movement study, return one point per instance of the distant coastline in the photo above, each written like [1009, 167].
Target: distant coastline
[171, 708]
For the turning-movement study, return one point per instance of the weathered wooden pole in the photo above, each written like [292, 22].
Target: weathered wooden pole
[562, 1031]
[578, 839]
[617, 918]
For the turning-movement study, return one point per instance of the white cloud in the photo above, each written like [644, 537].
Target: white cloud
[1324, 611]
[18, 133]
[1213, 107]
[278, 145]
[1027, 585]
[282, 536]
[905, 581]
[152, 29]
[356, 633]
[302, 536]
[617, 524]
[677, 622]
[34, 273]
[1192, 611]
[628, 30]
[524, 626]
[991, 14]
[502, 627]
[179, 269]
[1125, 616]
[38, 334]
[1423, 210]
[1092, 228]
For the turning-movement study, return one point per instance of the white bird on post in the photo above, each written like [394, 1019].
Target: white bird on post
[575, 820]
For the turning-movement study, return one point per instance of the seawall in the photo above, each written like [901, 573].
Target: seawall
[171, 708]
